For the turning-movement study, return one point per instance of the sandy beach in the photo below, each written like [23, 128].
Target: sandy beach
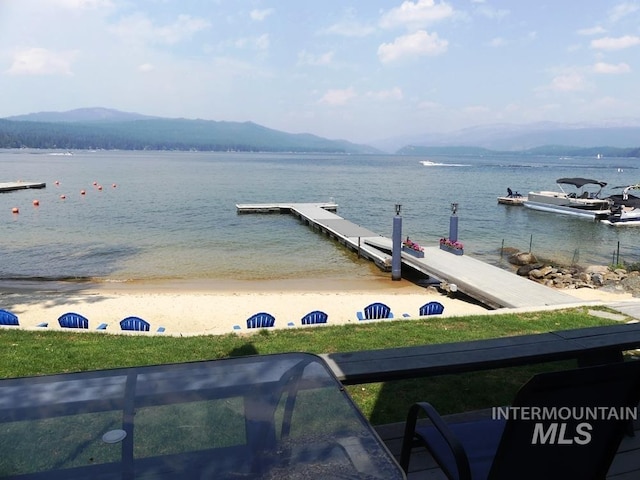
[213, 308]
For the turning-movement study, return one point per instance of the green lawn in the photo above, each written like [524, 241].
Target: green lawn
[25, 353]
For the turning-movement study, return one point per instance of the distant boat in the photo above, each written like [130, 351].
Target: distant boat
[599, 156]
[429, 163]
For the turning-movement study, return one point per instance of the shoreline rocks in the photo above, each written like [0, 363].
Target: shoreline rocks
[567, 277]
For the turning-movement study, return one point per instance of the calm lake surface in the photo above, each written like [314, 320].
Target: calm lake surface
[172, 215]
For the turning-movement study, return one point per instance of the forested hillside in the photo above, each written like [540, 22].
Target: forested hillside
[166, 134]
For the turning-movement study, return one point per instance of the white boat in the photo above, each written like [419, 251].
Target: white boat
[625, 210]
[586, 202]
[429, 163]
[512, 198]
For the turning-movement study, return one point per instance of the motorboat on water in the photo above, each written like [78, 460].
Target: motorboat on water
[512, 198]
[586, 202]
[625, 210]
[429, 163]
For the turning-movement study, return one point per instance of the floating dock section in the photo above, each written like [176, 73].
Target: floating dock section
[11, 186]
[490, 285]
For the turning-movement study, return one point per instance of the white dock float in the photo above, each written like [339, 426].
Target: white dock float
[490, 285]
[10, 186]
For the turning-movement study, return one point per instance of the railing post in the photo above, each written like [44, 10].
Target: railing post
[396, 250]
[453, 223]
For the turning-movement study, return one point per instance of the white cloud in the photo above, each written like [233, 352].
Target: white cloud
[429, 105]
[338, 97]
[140, 28]
[305, 58]
[568, 82]
[349, 29]
[497, 42]
[263, 42]
[598, 30]
[415, 44]
[608, 102]
[146, 67]
[610, 43]
[257, 43]
[40, 61]
[418, 14]
[393, 94]
[84, 4]
[260, 15]
[476, 109]
[622, 10]
[492, 13]
[602, 67]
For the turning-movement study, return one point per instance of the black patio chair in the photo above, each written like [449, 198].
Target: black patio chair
[568, 444]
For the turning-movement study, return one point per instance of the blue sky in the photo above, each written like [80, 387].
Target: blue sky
[355, 70]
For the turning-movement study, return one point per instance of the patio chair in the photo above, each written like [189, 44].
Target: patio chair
[431, 308]
[314, 317]
[8, 318]
[137, 324]
[75, 320]
[376, 310]
[563, 446]
[261, 320]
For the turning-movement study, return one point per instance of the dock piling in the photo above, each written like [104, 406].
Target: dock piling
[396, 255]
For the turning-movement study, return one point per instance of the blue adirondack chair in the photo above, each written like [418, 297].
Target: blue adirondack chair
[431, 308]
[314, 317]
[75, 320]
[375, 311]
[134, 323]
[8, 318]
[137, 324]
[261, 320]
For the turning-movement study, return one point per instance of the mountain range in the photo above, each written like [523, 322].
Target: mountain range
[107, 128]
[101, 128]
[620, 133]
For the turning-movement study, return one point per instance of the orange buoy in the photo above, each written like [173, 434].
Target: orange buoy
[36, 202]
[63, 197]
[15, 210]
[82, 192]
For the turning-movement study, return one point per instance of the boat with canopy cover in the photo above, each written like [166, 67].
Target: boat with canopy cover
[585, 202]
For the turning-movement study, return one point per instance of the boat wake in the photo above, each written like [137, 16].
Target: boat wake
[428, 163]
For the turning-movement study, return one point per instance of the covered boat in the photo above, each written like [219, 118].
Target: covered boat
[585, 202]
[625, 210]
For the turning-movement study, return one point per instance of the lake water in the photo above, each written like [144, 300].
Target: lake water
[172, 215]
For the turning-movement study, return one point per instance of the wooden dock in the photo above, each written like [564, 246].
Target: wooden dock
[320, 218]
[11, 186]
[490, 285]
[493, 286]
